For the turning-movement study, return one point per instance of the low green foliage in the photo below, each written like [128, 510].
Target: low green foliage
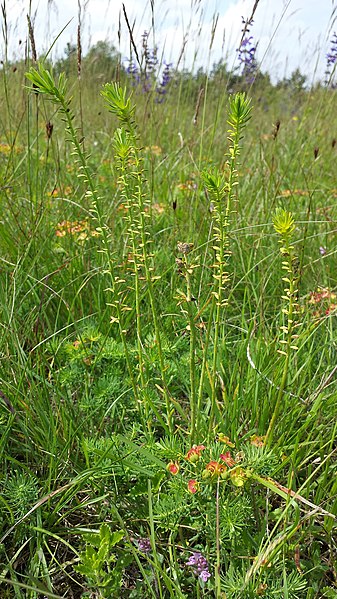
[99, 565]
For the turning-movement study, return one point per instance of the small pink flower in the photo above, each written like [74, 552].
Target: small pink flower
[173, 467]
[227, 458]
[193, 486]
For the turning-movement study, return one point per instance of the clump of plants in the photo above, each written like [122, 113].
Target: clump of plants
[165, 413]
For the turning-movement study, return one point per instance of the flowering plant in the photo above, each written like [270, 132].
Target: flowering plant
[148, 75]
[247, 53]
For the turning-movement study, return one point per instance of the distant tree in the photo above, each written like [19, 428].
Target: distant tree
[221, 75]
[67, 64]
[190, 83]
[103, 61]
[296, 82]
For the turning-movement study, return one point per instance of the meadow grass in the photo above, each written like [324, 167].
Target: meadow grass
[168, 344]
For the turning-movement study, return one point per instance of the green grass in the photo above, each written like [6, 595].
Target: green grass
[141, 314]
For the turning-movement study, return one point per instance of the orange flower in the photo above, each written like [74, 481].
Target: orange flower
[154, 150]
[227, 458]
[226, 440]
[331, 308]
[57, 192]
[68, 227]
[215, 469]
[194, 453]
[285, 193]
[158, 208]
[189, 185]
[192, 486]
[257, 441]
[173, 467]
[321, 294]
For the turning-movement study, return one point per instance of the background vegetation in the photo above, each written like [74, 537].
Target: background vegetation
[168, 337]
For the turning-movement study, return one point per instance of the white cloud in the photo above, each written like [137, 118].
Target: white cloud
[290, 33]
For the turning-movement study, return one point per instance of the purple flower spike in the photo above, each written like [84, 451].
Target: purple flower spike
[331, 61]
[199, 565]
[145, 76]
[246, 54]
[161, 89]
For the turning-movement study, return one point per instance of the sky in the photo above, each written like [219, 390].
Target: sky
[290, 33]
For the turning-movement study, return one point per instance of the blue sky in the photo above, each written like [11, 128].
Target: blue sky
[290, 33]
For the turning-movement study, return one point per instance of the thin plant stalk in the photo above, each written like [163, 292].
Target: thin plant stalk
[121, 106]
[222, 194]
[285, 226]
[186, 269]
[217, 536]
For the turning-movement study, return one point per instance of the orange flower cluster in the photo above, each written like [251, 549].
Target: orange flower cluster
[215, 469]
[7, 149]
[324, 299]
[189, 185]
[67, 227]
[157, 208]
[257, 441]
[285, 193]
[154, 150]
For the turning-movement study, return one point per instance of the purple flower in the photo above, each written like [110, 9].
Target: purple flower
[133, 72]
[246, 53]
[199, 565]
[144, 545]
[205, 575]
[149, 55]
[146, 77]
[166, 77]
[331, 60]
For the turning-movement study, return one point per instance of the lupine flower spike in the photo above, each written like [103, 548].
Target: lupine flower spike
[146, 78]
[331, 61]
[246, 54]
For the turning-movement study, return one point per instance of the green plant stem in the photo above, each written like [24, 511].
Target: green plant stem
[271, 427]
[153, 541]
[45, 84]
[221, 261]
[121, 106]
[142, 404]
[289, 297]
[193, 395]
[217, 537]
[204, 364]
